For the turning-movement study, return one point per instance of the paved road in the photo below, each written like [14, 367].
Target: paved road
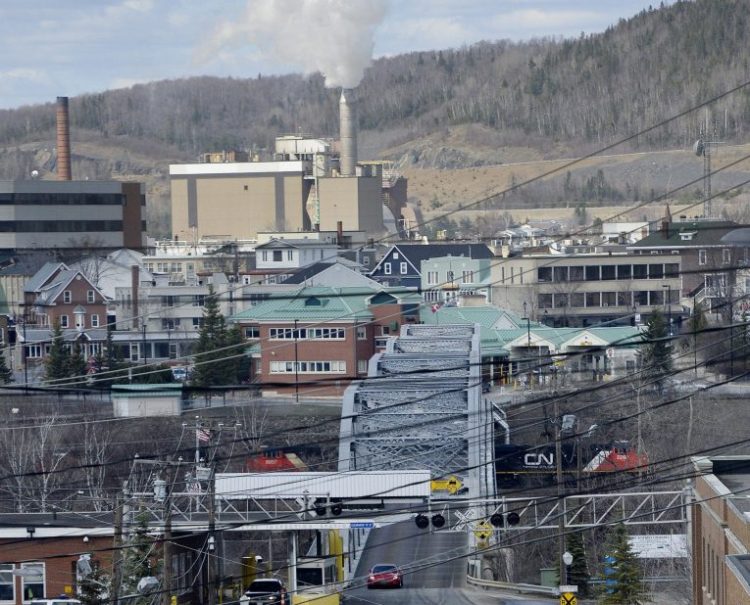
[434, 570]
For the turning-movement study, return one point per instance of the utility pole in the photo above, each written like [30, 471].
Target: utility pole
[166, 594]
[560, 491]
[212, 565]
[117, 550]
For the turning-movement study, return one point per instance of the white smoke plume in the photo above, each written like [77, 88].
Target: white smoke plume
[334, 37]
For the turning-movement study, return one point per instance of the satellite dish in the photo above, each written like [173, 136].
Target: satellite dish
[699, 147]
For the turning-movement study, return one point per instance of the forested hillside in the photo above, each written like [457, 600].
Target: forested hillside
[589, 90]
[491, 103]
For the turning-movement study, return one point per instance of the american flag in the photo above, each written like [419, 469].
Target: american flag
[202, 435]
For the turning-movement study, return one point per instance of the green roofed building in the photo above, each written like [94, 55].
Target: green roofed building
[315, 341]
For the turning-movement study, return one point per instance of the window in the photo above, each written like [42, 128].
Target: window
[656, 271]
[609, 299]
[394, 256]
[656, 297]
[640, 271]
[33, 351]
[361, 333]
[199, 300]
[560, 274]
[593, 299]
[561, 301]
[403, 268]
[387, 268]
[592, 272]
[33, 581]
[467, 277]
[385, 330]
[672, 270]
[624, 272]
[264, 254]
[544, 274]
[432, 278]
[67, 296]
[576, 274]
[702, 257]
[545, 301]
[167, 301]
[277, 256]
[624, 299]
[640, 297]
[726, 256]
[608, 272]
[64, 321]
[290, 255]
[577, 299]
[361, 366]
[308, 367]
[252, 332]
[197, 322]
[90, 296]
[7, 583]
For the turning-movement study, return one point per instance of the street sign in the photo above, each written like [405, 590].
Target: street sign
[483, 530]
[568, 598]
[451, 485]
[361, 525]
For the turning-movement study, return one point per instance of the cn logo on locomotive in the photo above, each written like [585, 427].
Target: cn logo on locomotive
[537, 459]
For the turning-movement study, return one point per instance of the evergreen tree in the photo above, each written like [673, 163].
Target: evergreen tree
[214, 347]
[76, 364]
[626, 587]
[656, 350]
[578, 573]
[140, 559]
[6, 376]
[56, 365]
[93, 587]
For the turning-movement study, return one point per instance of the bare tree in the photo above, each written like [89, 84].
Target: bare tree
[96, 444]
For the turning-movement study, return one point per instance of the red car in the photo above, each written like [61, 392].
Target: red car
[385, 575]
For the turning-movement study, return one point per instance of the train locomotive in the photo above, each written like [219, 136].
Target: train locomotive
[523, 465]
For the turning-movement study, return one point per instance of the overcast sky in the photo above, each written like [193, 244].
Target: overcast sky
[56, 48]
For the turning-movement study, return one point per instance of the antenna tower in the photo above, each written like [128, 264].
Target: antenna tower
[702, 147]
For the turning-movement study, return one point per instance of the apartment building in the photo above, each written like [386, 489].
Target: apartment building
[589, 285]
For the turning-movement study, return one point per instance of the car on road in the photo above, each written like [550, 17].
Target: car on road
[265, 591]
[385, 575]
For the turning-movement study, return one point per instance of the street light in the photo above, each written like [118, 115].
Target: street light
[568, 561]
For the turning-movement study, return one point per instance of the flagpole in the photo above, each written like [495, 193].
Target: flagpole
[197, 444]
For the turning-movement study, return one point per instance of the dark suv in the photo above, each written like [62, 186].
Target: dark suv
[265, 591]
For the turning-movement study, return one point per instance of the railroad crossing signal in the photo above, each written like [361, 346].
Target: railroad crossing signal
[568, 598]
[451, 485]
[483, 530]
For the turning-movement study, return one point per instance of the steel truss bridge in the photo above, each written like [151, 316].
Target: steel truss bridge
[422, 408]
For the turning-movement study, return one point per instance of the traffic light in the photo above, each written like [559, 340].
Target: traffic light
[322, 506]
[502, 520]
[423, 521]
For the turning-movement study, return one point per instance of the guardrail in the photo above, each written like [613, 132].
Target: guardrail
[513, 587]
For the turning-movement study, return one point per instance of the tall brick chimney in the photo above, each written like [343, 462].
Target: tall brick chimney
[63, 140]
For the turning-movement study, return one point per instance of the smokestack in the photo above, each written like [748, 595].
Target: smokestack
[63, 140]
[348, 132]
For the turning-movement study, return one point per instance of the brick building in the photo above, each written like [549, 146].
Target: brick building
[318, 339]
[721, 531]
